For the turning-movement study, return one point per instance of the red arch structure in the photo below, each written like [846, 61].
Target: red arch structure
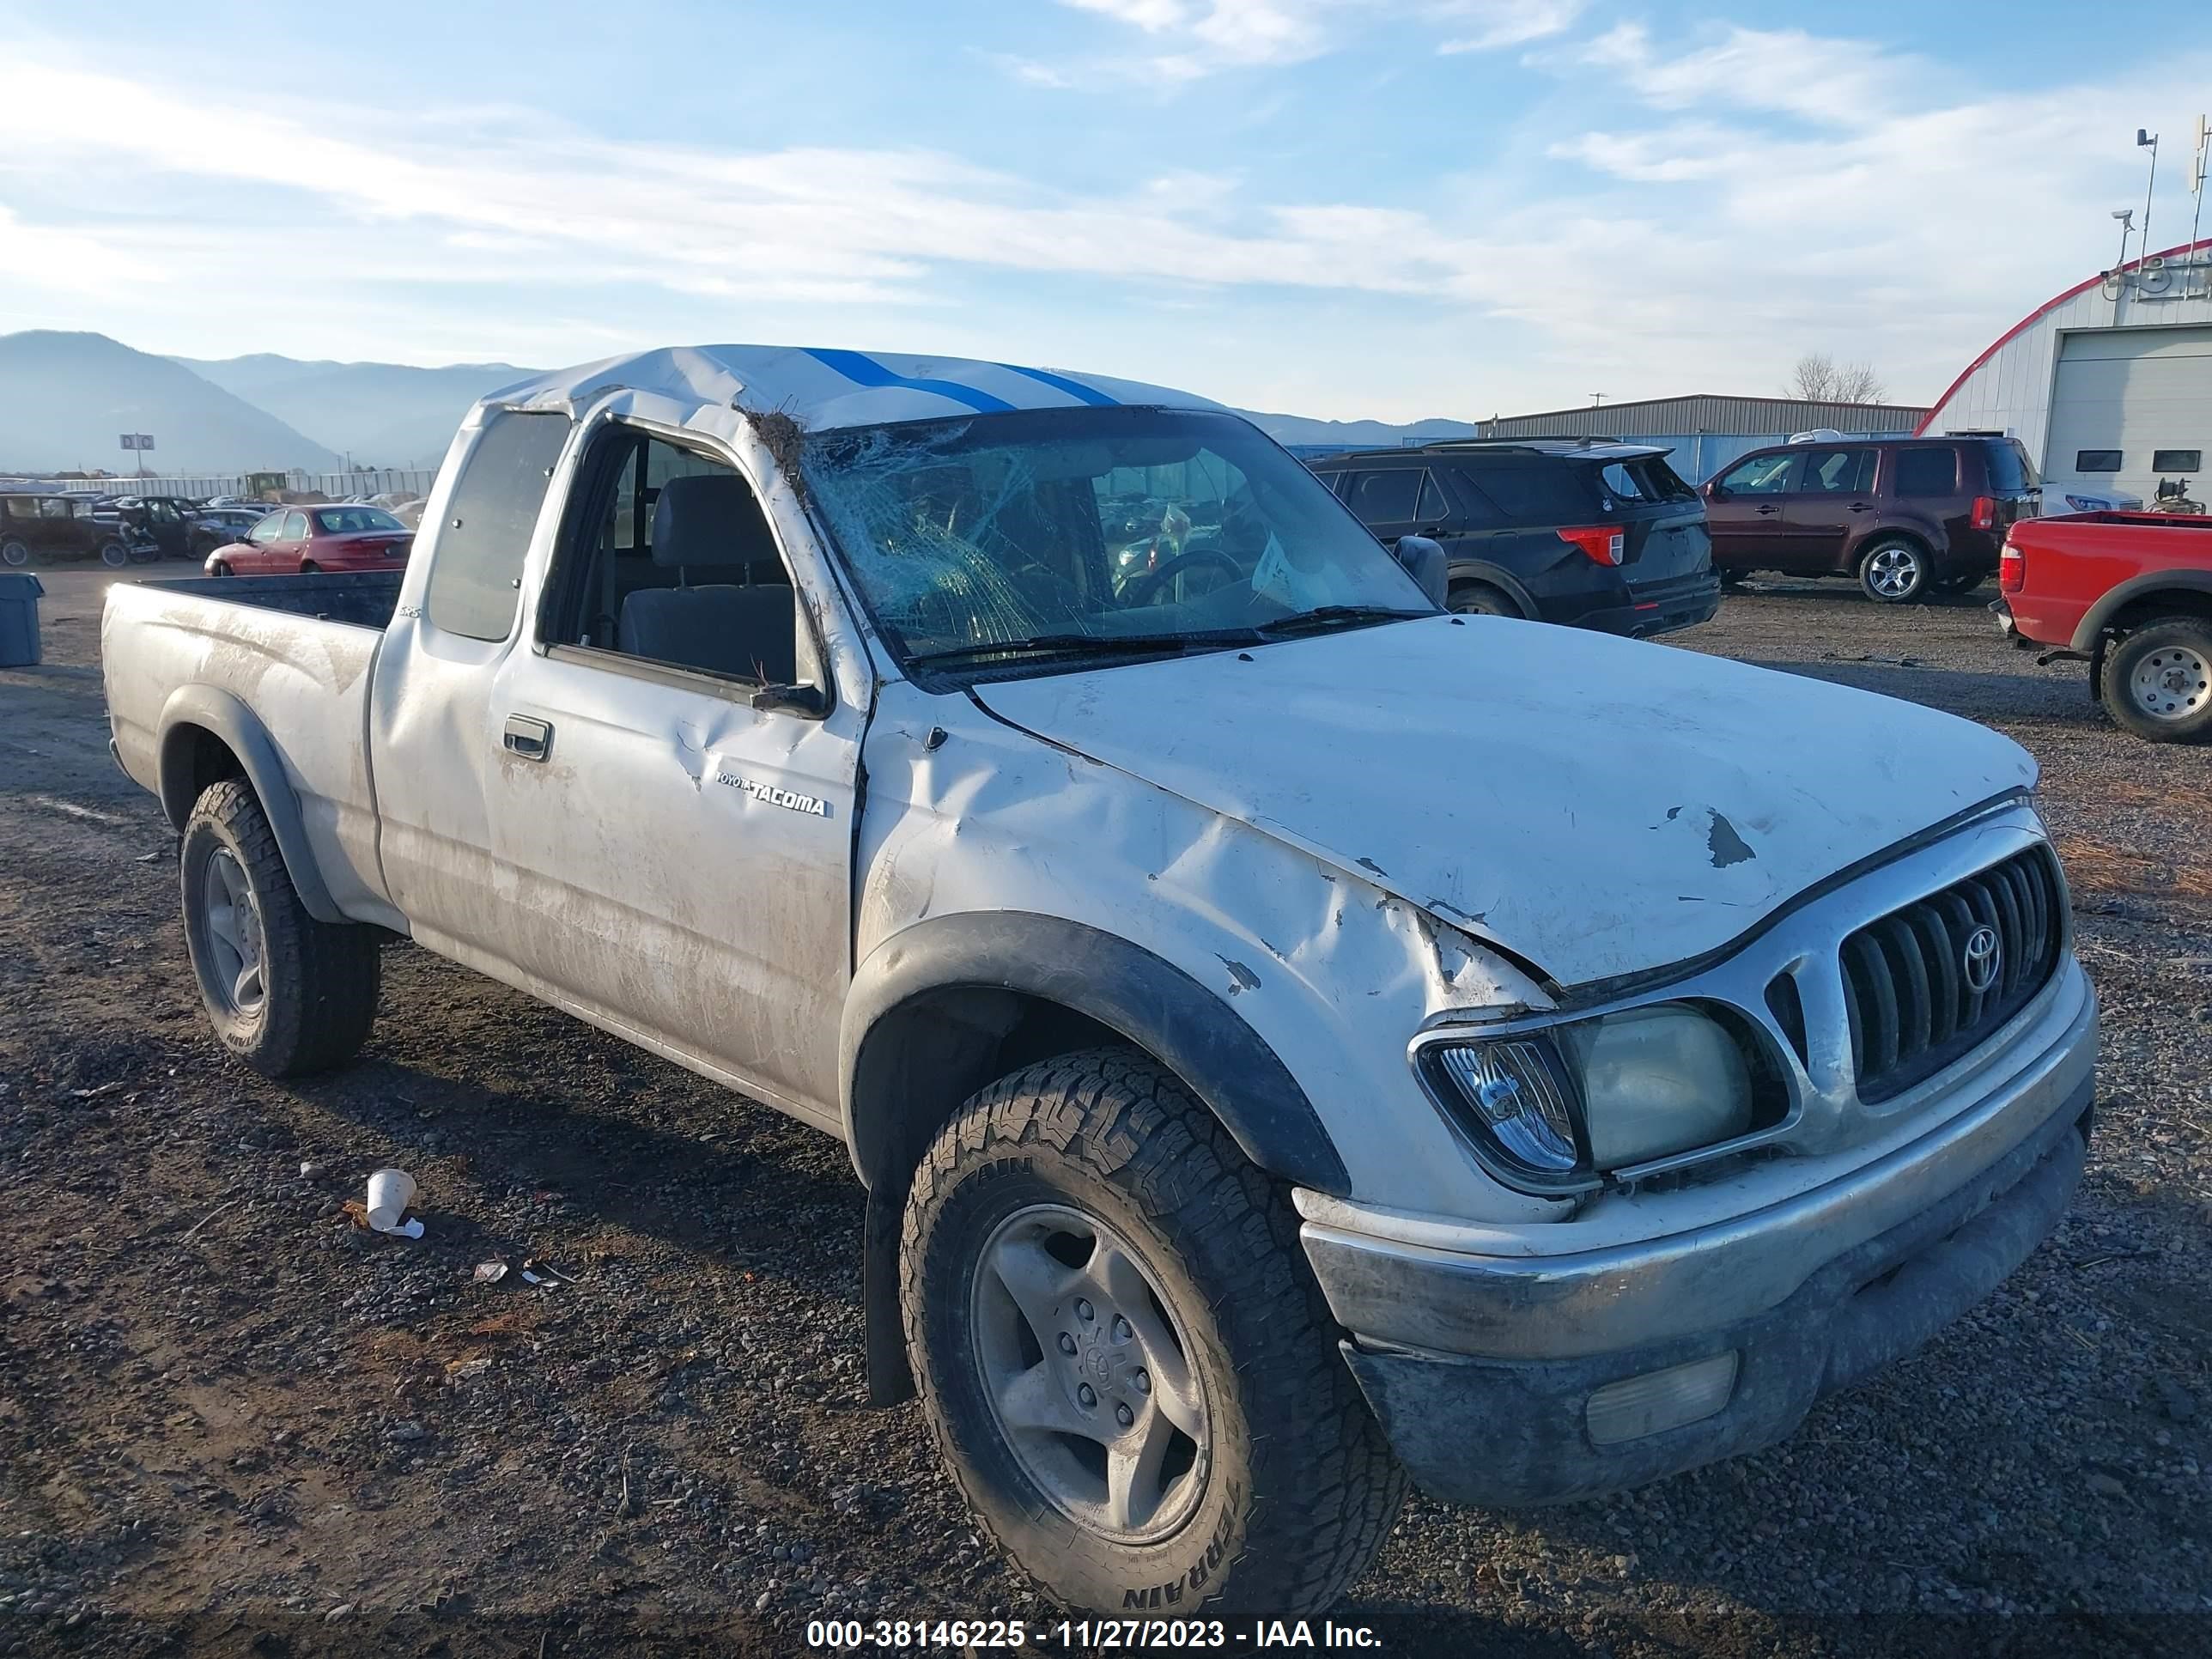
[2035, 317]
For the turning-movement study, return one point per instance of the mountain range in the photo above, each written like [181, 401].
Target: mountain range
[65, 398]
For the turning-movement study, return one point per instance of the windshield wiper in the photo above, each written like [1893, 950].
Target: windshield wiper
[1081, 645]
[1330, 615]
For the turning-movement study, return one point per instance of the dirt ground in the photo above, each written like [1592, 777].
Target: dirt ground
[232, 1425]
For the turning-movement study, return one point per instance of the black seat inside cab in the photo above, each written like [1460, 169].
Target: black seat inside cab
[712, 526]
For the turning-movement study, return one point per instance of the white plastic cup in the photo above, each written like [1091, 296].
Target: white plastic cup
[390, 1193]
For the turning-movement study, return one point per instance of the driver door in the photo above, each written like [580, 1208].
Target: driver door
[1744, 510]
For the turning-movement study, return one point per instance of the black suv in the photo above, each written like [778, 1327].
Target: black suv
[1585, 531]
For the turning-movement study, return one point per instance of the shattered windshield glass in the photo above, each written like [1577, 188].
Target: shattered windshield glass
[1084, 530]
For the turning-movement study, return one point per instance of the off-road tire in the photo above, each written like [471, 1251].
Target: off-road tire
[1910, 594]
[14, 554]
[1300, 1488]
[320, 979]
[2185, 638]
[1482, 599]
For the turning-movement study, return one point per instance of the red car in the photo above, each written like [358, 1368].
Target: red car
[300, 540]
[2128, 593]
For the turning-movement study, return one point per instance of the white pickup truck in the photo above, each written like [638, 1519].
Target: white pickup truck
[1293, 1039]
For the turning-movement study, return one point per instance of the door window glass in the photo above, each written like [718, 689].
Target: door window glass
[54, 507]
[1837, 471]
[2176, 460]
[2097, 460]
[268, 530]
[295, 526]
[476, 571]
[1385, 497]
[1434, 506]
[1931, 471]
[1762, 475]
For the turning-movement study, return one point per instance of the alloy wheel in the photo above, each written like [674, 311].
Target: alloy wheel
[230, 927]
[1088, 1373]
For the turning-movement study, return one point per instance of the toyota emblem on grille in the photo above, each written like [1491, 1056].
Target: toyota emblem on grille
[1983, 955]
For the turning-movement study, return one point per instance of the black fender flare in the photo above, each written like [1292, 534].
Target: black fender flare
[1481, 570]
[241, 730]
[2149, 585]
[1123, 986]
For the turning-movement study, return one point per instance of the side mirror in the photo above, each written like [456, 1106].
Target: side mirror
[1716, 491]
[1425, 561]
[804, 701]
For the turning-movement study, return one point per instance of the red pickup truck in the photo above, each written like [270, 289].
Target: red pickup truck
[2128, 593]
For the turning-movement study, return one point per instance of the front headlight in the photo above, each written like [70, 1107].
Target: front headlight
[1556, 1108]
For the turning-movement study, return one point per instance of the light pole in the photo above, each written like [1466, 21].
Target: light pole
[2145, 139]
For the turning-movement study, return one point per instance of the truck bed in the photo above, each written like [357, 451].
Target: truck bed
[364, 598]
[215, 660]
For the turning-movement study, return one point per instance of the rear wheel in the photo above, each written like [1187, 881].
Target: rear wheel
[15, 553]
[1123, 1360]
[1958, 582]
[114, 555]
[309, 568]
[1893, 571]
[288, 994]
[2157, 680]
[1481, 599]
[1729, 578]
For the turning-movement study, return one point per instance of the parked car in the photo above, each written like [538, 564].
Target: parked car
[52, 526]
[301, 540]
[1587, 533]
[2128, 593]
[1293, 1039]
[1905, 517]
[168, 520]
[216, 526]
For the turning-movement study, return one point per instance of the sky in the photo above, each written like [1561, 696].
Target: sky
[1339, 207]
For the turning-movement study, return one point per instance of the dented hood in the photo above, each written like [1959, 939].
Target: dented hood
[1599, 806]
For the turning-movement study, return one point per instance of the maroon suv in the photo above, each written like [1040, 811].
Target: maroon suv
[1907, 516]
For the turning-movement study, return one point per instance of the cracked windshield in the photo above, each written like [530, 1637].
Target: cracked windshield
[1094, 532]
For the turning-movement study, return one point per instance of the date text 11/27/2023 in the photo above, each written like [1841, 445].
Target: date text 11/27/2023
[1086, 1635]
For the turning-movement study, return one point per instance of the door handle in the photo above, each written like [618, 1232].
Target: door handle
[1768, 512]
[532, 739]
[1860, 506]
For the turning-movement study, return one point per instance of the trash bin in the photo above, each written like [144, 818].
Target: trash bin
[19, 619]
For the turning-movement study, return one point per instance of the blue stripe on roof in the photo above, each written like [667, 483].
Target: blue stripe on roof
[1074, 389]
[864, 370]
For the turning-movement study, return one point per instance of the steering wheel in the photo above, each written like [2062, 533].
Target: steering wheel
[1146, 587]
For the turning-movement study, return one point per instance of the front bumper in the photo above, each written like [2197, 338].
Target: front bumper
[1481, 1368]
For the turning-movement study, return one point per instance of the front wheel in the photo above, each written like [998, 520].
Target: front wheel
[2157, 680]
[309, 568]
[14, 553]
[288, 994]
[220, 570]
[1893, 571]
[1122, 1358]
[114, 555]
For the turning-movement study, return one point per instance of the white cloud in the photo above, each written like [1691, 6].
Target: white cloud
[1199, 38]
[1674, 234]
[1500, 23]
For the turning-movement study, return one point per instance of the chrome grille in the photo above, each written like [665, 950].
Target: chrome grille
[1909, 979]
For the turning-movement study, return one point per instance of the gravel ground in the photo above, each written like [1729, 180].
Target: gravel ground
[233, 1425]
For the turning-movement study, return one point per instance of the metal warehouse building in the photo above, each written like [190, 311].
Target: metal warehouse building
[1706, 432]
[2109, 386]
